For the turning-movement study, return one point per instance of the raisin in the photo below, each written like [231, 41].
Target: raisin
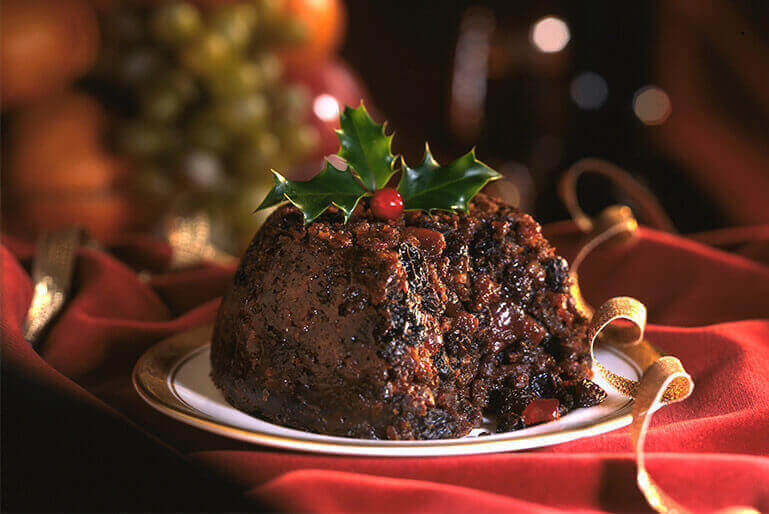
[588, 394]
[417, 276]
[457, 344]
[437, 424]
[519, 285]
[414, 264]
[509, 422]
[542, 385]
[566, 398]
[430, 302]
[557, 274]
[551, 346]
[402, 328]
[442, 365]
[511, 401]
[291, 219]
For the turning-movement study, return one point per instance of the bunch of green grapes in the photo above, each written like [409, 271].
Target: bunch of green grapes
[203, 111]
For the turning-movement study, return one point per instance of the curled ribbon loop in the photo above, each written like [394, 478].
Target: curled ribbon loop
[622, 308]
[651, 210]
[664, 381]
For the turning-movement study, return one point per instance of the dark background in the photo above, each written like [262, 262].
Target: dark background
[404, 52]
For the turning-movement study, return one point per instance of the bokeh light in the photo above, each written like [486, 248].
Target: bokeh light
[652, 105]
[326, 107]
[550, 34]
[589, 90]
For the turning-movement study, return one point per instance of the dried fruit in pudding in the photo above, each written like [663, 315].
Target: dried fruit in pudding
[413, 327]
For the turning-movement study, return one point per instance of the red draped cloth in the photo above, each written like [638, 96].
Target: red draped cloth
[708, 307]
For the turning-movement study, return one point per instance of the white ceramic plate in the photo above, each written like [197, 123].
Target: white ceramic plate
[173, 377]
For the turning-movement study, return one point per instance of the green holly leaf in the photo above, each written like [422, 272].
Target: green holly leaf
[277, 194]
[331, 186]
[365, 147]
[431, 186]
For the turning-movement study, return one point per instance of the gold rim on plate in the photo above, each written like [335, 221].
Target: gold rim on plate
[153, 380]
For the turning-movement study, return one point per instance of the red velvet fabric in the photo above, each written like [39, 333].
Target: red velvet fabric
[708, 307]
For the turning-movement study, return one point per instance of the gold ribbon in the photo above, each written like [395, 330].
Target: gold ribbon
[651, 210]
[664, 380]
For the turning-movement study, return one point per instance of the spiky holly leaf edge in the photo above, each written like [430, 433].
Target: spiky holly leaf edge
[443, 198]
[313, 197]
[366, 147]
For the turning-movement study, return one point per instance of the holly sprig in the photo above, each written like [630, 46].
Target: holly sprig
[370, 164]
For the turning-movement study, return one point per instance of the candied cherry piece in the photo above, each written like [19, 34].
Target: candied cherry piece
[540, 410]
[387, 204]
[430, 241]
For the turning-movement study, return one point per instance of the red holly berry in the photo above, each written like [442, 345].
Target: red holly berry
[387, 204]
[540, 410]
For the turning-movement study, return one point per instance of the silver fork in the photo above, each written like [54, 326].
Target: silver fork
[52, 275]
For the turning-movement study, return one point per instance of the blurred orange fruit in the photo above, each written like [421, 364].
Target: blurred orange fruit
[323, 22]
[57, 145]
[60, 172]
[44, 45]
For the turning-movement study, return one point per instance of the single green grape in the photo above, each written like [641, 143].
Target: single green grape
[264, 143]
[236, 79]
[161, 104]
[243, 113]
[139, 64]
[299, 139]
[293, 102]
[208, 53]
[141, 139]
[204, 132]
[236, 23]
[182, 82]
[270, 66]
[176, 23]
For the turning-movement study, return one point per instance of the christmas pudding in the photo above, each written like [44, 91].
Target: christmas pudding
[365, 311]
